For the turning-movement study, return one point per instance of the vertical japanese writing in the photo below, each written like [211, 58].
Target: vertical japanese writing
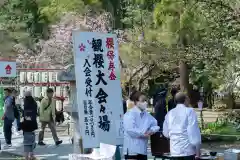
[98, 62]
[86, 120]
[91, 121]
[88, 112]
[98, 88]
[110, 55]
[88, 80]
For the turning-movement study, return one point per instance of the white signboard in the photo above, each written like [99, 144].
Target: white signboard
[8, 68]
[99, 94]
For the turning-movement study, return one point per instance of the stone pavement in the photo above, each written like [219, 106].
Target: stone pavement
[61, 152]
[48, 152]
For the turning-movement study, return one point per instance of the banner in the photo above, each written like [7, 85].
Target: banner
[99, 93]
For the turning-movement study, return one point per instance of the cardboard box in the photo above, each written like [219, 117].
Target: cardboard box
[232, 154]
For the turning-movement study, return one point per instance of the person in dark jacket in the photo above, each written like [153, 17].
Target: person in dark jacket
[18, 110]
[160, 107]
[171, 102]
[29, 125]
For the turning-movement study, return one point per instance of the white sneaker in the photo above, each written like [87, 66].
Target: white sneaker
[17, 133]
[6, 146]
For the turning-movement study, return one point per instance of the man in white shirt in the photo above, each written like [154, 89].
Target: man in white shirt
[181, 126]
[138, 126]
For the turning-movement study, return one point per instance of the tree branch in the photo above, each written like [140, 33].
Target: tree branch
[145, 76]
[135, 73]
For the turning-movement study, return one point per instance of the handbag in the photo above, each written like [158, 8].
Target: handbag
[38, 110]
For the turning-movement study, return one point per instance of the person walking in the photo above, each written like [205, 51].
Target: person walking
[17, 104]
[8, 117]
[138, 126]
[47, 116]
[181, 126]
[29, 125]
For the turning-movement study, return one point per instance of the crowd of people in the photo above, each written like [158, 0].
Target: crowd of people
[175, 120]
[25, 117]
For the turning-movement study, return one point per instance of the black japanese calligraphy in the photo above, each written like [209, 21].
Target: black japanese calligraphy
[88, 82]
[88, 92]
[100, 76]
[102, 109]
[91, 122]
[104, 123]
[98, 61]
[87, 72]
[90, 102]
[86, 119]
[86, 132]
[90, 107]
[101, 96]
[86, 63]
[85, 107]
[97, 45]
[92, 131]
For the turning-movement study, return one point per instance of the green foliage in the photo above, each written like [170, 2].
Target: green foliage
[23, 21]
[54, 9]
[213, 127]
[202, 33]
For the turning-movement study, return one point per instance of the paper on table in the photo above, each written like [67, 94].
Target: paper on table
[107, 150]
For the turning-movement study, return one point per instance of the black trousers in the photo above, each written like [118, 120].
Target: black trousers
[136, 157]
[7, 129]
[184, 158]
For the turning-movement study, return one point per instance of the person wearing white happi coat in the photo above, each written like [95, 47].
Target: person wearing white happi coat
[138, 126]
[181, 127]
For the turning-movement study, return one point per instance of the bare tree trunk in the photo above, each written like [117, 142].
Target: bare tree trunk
[121, 62]
[184, 76]
[184, 83]
[231, 101]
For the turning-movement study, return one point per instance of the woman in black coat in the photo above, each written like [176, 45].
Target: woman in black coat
[29, 125]
[160, 107]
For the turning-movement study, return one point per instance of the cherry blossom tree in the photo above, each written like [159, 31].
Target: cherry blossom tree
[57, 50]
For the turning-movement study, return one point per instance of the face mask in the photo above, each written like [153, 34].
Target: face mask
[142, 105]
